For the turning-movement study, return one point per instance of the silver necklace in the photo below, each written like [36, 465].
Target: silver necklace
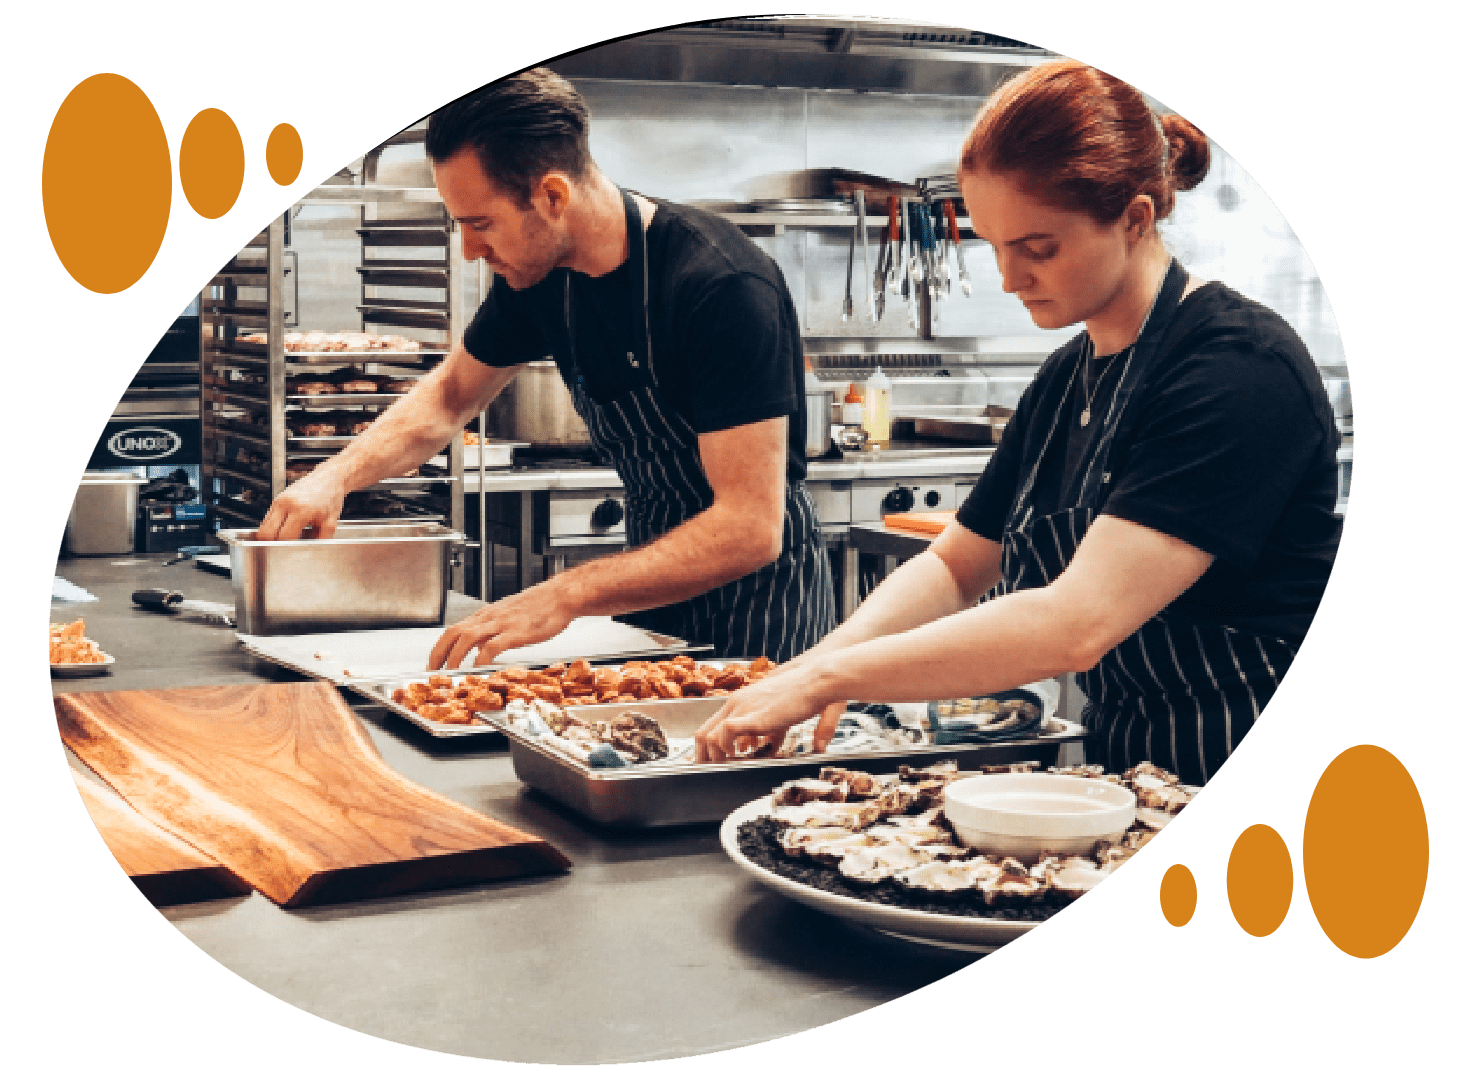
[1091, 350]
[1086, 375]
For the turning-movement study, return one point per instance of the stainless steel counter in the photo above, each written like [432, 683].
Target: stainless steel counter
[869, 468]
[653, 946]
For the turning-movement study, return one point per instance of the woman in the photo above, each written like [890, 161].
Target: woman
[1159, 515]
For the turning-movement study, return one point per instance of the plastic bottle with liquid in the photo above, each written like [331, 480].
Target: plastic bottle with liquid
[877, 413]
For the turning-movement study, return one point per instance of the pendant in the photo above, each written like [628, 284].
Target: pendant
[1085, 416]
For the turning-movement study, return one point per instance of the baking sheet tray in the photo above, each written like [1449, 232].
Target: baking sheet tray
[649, 796]
[365, 655]
[379, 691]
[980, 427]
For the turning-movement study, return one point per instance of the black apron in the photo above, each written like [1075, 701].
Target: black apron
[779, 611]
[1176, 693]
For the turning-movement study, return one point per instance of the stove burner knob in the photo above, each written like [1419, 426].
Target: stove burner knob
[931, 499]
[607, 514]
[898, 501]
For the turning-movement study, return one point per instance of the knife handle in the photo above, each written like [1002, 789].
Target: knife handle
[156, 599]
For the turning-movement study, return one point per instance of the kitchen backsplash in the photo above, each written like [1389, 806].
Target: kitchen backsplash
[690, 142]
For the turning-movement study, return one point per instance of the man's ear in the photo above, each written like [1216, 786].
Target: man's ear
[553, 194]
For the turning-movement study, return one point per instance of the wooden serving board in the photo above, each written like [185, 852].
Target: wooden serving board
[164, 868]
[281, 784]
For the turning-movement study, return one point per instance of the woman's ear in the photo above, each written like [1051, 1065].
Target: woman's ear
[1140, 217]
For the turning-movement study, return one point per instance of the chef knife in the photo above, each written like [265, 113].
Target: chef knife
[174, 603]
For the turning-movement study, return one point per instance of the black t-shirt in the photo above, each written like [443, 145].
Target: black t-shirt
[1230, 445]
[724, 334]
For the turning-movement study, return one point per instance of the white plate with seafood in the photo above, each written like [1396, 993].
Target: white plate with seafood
[970, 933]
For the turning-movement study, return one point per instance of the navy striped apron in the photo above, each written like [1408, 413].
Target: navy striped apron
[779, 611]
[1176, 693]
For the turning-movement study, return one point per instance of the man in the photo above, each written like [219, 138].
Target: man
[677, 339]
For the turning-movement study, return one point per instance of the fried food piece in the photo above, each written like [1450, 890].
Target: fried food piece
[731, 680]
[441, 681]
[633, 685]
[664, 687]
[761, 664]
[483, 700]
[695, 686]
[515, 674]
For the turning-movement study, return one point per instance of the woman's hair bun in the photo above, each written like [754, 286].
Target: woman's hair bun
[1191, 155]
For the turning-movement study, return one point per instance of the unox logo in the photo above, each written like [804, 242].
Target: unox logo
[144, 443]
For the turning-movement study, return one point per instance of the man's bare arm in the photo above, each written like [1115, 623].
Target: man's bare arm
[409, 432]
[738, 534]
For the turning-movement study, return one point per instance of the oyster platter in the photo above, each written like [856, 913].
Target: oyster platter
[879, 850]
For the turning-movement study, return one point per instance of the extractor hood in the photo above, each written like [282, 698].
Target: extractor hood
[827, 54]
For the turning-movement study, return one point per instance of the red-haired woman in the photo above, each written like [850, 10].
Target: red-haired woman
[1159, 515]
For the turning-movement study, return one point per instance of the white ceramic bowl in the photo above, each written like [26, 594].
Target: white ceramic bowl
[1021, 815]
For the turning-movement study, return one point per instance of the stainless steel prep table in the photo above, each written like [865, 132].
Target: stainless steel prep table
[653, 946]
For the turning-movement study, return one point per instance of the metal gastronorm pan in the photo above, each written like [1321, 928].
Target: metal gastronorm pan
[646, 796]
[366, 577]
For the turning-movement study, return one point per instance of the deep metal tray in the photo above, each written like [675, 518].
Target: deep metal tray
[365, 577]
[647, 796]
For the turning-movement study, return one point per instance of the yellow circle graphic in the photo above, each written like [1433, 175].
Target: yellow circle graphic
[1179, 895]
[1260, 880]
[106, 183]
[1366, 801]
[211, 163]
[285, 154]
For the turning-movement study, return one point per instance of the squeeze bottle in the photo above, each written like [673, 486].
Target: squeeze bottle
[877, 418]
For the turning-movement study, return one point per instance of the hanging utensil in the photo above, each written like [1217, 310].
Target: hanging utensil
[851, 253]
[919, 268]
[964, 282]
[880, 279]
[859, 201]
[946, 278]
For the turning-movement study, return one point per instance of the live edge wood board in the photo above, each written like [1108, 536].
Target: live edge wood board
[281, 784]
[164, 869]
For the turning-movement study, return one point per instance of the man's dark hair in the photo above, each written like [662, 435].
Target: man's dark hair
[520, 127]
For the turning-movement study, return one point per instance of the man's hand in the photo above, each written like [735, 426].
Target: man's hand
[308, 509]
[763, 712]
[527, 618]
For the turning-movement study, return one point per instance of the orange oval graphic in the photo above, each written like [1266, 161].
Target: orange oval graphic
[284, 153]
[211, 163]
[1179, 895]
[1260, 880]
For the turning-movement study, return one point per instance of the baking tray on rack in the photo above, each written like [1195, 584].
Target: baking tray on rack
[648, 796]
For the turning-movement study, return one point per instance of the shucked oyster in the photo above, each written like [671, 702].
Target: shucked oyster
[1070, 877]
[635, 735]
[877, 862]
[796, 792]
[946, 877]
[826, 844]
[854, 815]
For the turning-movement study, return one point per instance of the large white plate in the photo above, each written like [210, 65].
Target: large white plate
[968, 932]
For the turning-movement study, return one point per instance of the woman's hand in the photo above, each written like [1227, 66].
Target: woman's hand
[763, 712]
